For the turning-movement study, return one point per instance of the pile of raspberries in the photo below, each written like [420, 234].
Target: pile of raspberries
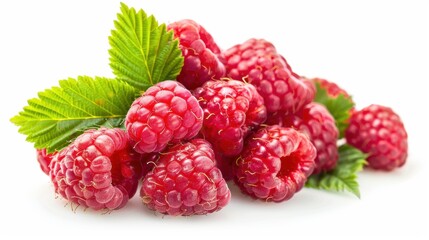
[240, 114]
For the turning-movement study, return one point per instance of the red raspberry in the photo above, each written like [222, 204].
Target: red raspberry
[331, 88]
[257, 62]
[98, 170]
[44, 159]
[231, 109]
[186, 181]
[317, 123]
[275, 163]
[379, 132]
[333, 91]
[199, 50]
[165, 112]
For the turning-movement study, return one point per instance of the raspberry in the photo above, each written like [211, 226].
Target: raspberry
[275, 163]
[231, 110]
[165, 112]
[333, 91]
[378, 131]
[257, 62]
[44, 159]
[317, 123]
[186, 181]
[98, 170]
[199, 50]
[331, 88]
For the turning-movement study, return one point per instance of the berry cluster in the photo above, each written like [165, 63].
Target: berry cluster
[239, 114]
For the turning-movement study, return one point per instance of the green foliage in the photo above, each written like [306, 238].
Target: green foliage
[339, 107]
[143, 52]
[344, 176]
[61, 113]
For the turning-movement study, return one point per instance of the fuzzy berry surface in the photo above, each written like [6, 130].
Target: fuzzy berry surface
[186, 181]
[275, 163]
[315, 121]
[98, 170]
[378, 131]
[166, 112]
[44, 159]
[231, 110]
[257, 62]
[200, 51]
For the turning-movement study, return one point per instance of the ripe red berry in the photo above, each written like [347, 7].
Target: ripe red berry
[200, 52]
[275, 163]
[257, 62]
[317, 123]
[333, 91]
[165, 112]
[331, 88]
[44, 159]
[98, 170]
[231, 110]
[186, 181]
[379, 131]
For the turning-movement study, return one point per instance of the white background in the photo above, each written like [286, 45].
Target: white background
[376, 50]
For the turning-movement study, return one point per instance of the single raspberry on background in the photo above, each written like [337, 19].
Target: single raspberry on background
[44, 159]
[275, 163]
[165, 112]
[98, 170]
[257, 62]
[315, 121]
[379, 131]
[231, 110]
[200, 52]
[186, 181]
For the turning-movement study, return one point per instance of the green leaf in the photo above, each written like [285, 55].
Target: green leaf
[339, 107]
[61, 113]
[143, 52]
[344, 176]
